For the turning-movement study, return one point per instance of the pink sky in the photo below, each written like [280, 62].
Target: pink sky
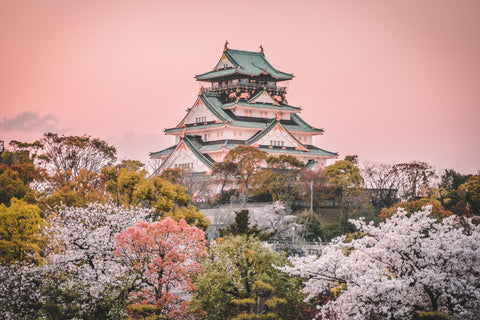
[391, 81]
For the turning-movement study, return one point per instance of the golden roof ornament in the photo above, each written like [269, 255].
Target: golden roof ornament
[226, 46]
[277, 116]
[261, 49]
[201, 90]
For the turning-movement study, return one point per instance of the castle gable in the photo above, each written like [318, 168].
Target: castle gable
[186, 157]
[224, 63]
[277, 136]
[199, 114]
[263, 97]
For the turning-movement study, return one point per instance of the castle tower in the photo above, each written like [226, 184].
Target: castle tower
[241, 102]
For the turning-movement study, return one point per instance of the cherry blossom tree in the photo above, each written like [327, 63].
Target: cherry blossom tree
[163, 255]
[81, 276]
[275, 218]
[83, 240]
[409, 264]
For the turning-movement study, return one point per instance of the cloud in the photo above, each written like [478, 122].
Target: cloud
[30, 122]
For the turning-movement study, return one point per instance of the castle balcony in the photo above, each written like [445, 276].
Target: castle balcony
[229, 87]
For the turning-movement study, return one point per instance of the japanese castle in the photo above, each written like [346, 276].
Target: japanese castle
[241, 102]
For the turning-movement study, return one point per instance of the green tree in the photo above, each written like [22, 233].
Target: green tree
[240, 281]
[470, 191]
[241, 227]
[224, 171]
[11, 186]
[438, 211]
[248, 161]
[20, 238]
[281, 177]
[312, 227]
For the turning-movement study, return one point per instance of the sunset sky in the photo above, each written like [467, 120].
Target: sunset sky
[390, 81]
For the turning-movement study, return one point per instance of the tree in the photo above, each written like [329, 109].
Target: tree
[437, 210]
[12, 187]
[20, 236]
[470, 190]
[77, 191]
[225, 171]
[239, 280]
[275, 219]
[344, 174]
[81, 262]
[311, 227]
[241, 226]
[409, 264]
[382, 184]
[164, 256]
[416, 179]
[248, 161]
[280, 178]
[73, 153]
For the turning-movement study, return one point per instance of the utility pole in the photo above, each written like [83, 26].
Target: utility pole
[311, 195]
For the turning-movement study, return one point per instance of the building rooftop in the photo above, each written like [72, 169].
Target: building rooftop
[246, 63]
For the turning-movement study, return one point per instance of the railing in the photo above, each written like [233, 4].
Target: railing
[298, 249]
[256, 86]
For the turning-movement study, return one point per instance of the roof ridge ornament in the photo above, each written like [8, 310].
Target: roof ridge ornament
[261, 50]
[201, 90]
[226, 46]
[277, 116]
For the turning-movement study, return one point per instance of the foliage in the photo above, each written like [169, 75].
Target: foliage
[437, 210]
[11, 186]
[470, 191]
[172, 175]
[248, 161]
[274, 219]
[280, 178]
[74, 153]
[164, 256]
[343, 174]
[224, 171]
[20, 237]
[241, 226]
[416, 179]
[82, 263]
[408, 264]
[77, 191]
[312, 230]
[382, 184]
[191, 215]
[239, 281]
[80, 277]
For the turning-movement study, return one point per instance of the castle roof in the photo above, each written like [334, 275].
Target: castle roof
[225, 116]
[246, 63]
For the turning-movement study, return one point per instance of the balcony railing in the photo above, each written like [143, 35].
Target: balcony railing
[240, 85]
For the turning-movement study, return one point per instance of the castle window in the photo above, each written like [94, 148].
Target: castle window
[184, 166]
[277, 143]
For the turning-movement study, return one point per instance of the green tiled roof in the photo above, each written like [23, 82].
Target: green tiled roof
[163, 152]
[262, 133]
[206, 160]
[248, 63]
[214, 104]
[311, 151]
[280, 107]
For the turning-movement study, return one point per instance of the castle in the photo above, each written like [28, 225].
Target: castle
[241, 102]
